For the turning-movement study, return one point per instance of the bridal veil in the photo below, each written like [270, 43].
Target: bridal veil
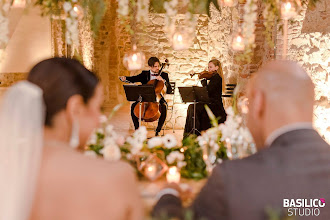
[21, 141]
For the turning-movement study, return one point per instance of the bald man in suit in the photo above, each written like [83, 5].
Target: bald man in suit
[293, 161]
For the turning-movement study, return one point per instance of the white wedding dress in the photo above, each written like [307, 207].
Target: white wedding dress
[21, 137]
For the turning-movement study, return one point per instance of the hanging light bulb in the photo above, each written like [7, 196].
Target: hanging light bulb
[19, 3]
[134, 60]
[179, 41]
[288, 10]
[182, 38]
[78, 10]
[228, 3]
[237, 42]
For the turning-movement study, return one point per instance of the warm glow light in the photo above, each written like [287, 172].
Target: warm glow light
[151, 171]
[179, 37]
[134, 60]
[228, 3]
[19, 3]
[134, 57]
[237, 43]
[287, 5]
[79, 10]
[180, 41]
[173, 175]
[288, 10]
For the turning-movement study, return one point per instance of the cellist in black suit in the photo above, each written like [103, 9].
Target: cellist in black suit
[144, 77]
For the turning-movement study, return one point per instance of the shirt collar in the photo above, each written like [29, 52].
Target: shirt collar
[152, 73]
[278, 132]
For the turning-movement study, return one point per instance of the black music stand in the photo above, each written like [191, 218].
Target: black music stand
[194, 94]
[140, 93]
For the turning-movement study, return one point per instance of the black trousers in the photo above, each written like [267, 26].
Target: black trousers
[202, 122]
[162, 118]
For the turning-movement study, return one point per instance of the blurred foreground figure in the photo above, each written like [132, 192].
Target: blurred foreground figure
[43, 121]
[293, 161]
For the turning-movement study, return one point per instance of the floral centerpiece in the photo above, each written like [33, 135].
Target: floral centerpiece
[195, 157]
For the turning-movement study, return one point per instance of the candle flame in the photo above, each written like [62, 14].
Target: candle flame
[287, 6]
[239, 39]
[172, 170]
[134, 57]
[180, 37]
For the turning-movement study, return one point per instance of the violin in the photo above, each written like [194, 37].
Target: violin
[204, 74]
[150, 110]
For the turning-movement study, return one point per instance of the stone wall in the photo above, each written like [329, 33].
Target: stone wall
[309, 45]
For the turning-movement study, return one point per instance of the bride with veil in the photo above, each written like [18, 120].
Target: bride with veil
[43, 122]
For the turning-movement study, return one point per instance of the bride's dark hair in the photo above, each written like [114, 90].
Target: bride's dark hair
[61, 78]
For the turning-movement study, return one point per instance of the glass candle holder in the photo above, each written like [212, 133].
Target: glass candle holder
[237, 42]
[173, 175]
[134, 60]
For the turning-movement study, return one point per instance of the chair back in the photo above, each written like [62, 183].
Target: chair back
[229, 91]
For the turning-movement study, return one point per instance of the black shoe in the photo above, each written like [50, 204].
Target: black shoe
[157, 133]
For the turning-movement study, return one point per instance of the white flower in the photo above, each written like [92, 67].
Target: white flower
[111, 153]
[90, 153]
[201, 141]
[181, 164]
[155, 142]
[67, 6]
[6, 7]
[230, 111]
[169, 141]
[136, 145]
[246, 135]
[141, 134]
[73, 14]
[109, 141]
[92, 139]
[109, 129]
[174, 156]
[100, 131]
[120, 140]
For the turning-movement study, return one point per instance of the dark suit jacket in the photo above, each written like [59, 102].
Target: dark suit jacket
[214, 88]
[144, 78]
[296, 165]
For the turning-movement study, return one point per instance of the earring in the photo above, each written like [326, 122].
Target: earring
[74, 140]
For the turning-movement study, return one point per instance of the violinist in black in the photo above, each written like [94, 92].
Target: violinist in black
[144, 77]
[215, 86]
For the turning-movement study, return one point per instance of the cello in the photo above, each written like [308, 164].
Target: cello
[150, 111]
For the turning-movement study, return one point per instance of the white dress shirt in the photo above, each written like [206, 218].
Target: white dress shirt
[291, 127]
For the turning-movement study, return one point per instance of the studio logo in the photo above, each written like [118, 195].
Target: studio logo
[304, 207]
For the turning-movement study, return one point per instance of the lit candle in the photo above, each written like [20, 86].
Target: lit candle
[287, 10]
[178, 42]
[173, 175]
[237, 43]
[151, 171]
